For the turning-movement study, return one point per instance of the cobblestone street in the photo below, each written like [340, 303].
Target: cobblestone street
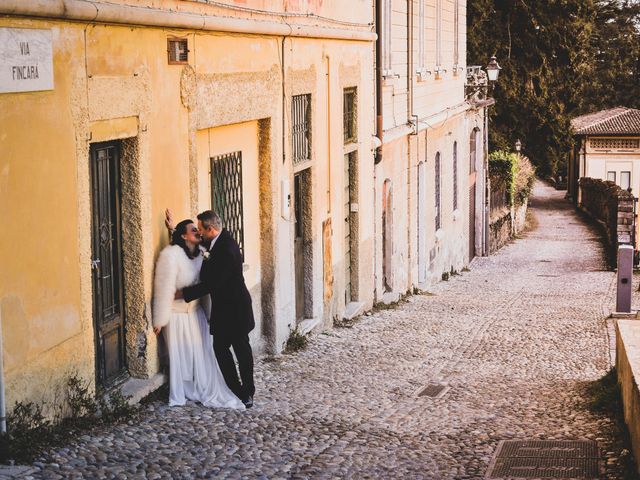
[515, 340]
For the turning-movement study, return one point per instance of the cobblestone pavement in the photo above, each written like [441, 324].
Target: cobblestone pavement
[515, 340]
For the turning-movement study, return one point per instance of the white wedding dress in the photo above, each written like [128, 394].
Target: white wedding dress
[194, 373]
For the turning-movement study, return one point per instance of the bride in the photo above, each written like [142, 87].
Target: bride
[194, 373]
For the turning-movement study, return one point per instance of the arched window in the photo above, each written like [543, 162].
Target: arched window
[437, 191]
[455, 175]
[473, 142]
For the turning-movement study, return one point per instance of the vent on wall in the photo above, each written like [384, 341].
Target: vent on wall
[615, 143]
[178, 51]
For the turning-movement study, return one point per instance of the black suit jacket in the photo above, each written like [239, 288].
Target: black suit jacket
[221, 277]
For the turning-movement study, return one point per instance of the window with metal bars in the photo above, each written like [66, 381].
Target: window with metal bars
[455, 175]
[226, 193]
[301, 128]
[437, 191]
[178, 51]
[350, 116]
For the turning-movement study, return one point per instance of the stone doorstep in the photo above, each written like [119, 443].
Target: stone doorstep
[139, 388]
[307, 325]
[15, 471]
[390, 297]
[352, 310]
[625, 315]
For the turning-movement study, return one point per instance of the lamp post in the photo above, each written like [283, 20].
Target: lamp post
[518, 145]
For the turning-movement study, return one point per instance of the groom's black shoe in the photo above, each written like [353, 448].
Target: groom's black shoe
[248, 402]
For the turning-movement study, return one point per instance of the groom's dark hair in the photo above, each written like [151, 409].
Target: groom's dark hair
[209, 218]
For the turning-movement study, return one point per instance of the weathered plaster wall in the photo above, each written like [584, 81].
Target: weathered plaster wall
[114, 83]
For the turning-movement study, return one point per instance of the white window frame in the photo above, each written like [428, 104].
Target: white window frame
[456, 36]
[386, 38]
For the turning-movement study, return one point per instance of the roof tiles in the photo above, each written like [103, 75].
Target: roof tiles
[614, 121]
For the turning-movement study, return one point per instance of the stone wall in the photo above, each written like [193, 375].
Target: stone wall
[505, 224]
[611, 207]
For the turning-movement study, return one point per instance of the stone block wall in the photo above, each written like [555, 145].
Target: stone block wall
[611, 207]
[505, 224]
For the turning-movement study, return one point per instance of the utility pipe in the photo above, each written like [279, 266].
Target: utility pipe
[98, 12]
[379, 132]
[3, 414]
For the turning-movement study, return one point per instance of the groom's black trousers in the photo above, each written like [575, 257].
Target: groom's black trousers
[242, 349]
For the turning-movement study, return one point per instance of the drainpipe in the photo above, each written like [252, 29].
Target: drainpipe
[328, 134]
[379, 133]
[487, 186]
[3, 414]
[411, 120]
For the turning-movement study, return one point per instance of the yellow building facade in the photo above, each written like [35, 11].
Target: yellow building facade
[187, 105]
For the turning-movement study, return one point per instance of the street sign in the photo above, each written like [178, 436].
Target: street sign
[26, 60]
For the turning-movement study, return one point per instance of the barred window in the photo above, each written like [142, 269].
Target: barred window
[350, 116]
[615, 143]
[226, 193]
[301, 128]
[625, 180]
[611, 176]
[437, 191]
[455, 175]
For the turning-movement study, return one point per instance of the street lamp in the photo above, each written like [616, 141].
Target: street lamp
[518, 145]
[493, 69]
[478, 80]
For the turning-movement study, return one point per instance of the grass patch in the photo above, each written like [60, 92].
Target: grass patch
[296, 342]
[603, 395]
[30, 432]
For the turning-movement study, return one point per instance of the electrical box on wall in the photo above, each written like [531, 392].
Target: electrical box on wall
[285, 200]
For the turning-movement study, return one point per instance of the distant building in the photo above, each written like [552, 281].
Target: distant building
[607, 146]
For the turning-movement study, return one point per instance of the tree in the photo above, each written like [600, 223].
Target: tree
[560, 59]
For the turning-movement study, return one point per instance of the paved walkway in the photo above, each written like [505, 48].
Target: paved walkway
[515, 339]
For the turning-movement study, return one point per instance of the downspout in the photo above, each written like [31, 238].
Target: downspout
[487, 185]
[379, 132]
[411, 120]
[3, 414]
[328, 134]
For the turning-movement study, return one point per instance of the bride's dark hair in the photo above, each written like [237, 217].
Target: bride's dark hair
[176, 238]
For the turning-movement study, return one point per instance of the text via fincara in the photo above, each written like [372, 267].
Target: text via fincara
[26, 60]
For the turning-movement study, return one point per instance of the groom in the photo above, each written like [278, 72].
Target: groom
[231, 310]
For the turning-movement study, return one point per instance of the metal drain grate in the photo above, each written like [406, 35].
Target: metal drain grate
[432, 390]
[547, 275]
[545, 459]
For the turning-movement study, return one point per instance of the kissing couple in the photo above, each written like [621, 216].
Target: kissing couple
[203, 306]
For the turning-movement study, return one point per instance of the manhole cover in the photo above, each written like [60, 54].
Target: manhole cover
[432, 390]
[545, 275]
[545, 459]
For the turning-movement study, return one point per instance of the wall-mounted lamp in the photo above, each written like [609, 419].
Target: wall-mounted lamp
[518, 145]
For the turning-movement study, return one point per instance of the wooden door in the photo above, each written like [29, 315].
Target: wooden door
[421, 224]
[346, 212]
[298, 253]
[106, 263]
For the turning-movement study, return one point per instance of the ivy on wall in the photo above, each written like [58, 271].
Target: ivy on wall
[514, 173]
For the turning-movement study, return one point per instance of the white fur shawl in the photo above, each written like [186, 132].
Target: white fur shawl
[174, 270]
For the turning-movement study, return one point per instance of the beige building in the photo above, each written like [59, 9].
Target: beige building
[142, 105]
[344, 184]
[607, 146]
[431, 168]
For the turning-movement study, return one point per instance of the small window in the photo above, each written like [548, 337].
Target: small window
[611, 176]
[437, 191]
[386, 36]
[625, 180]
[301, 128]
[350, 116]
[456, 33]
[178, 51]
